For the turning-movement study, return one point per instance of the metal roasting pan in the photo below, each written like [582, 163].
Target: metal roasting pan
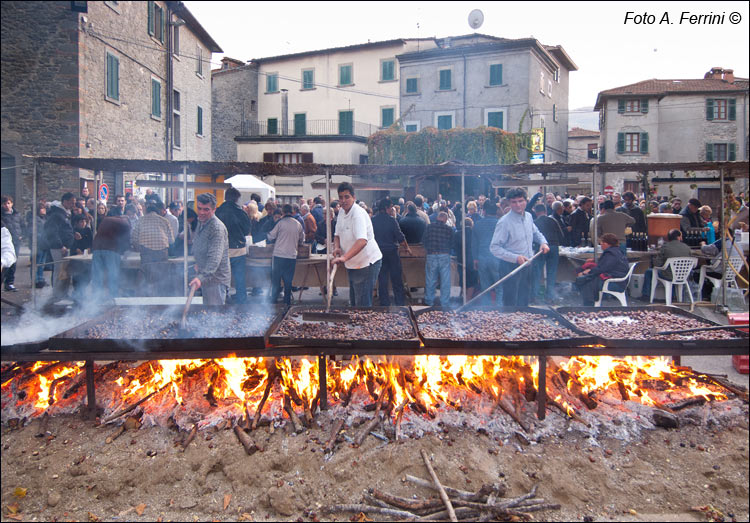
[741, 341]
[76, 340]
[409, 343]
[30, 347]
[582, 338]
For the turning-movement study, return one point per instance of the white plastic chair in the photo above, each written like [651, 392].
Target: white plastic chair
[729, 275]
[680, 268]
[620, 295]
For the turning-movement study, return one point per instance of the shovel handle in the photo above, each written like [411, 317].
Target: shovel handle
[187, 305]
[330, 287]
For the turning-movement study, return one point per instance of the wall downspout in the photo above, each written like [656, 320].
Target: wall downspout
[464, 102]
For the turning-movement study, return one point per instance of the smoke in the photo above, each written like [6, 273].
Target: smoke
[35, 326]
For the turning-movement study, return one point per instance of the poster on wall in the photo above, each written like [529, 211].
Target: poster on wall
[537, 140]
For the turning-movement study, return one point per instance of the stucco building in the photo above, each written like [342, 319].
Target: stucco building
[101, 79]
[686, 120]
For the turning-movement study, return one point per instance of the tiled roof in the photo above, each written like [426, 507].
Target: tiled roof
[656, 87]
[577, 132]
[355, 47]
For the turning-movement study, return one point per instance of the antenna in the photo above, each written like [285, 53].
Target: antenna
[476, 17]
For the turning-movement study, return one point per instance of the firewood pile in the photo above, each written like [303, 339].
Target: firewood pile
[486, 504]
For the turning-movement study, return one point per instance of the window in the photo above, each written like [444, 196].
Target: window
[557, 75]
[156, 21]
[721, 109]
[113, 77]
[386, 116]
[199, 129]
[272, 83]
[721, 152]
[494, 117]
[593, 150]
[308, 78]
[541, 82]
[273, 126]
[444, 119]
[445, 79]
[411, 126]
[496, 74]
[412, 85]
[549, 88]
[554, 112]
[632, 106]
[300, 124]
[346, 122]
[387, 70]
[629, 143]
[199, 61]
[155, 98]
[345, 74]
[176, 40]
[176, 135]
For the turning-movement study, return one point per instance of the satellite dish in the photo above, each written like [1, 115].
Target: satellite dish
[476, 17]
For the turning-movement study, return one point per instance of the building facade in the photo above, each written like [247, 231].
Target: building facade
[102, 80]
[475, 80]
[317, 106]
[687, 120]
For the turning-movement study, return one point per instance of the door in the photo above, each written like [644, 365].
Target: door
[300, 124]
[346, 122]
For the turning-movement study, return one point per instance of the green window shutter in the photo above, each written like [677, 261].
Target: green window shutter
[709, 152]
[387, 116]
[495, 119]
[620, 143]
[602, 158]
[732, 152]
[644, 105]
[155, 98]
[273, 126]
[445, 122]
[411, 85]
[113, 74]
[644, 143]
[732, 109]
[496, 74]
[300, 124]
[162, 25]
[345, 75]
[709, 108]
[411, 128]
[307, 79]
[621, 106]
[445, 79]
[387, 70]
[272, 83]
[346, 122]
[200, 120]
[150, 17]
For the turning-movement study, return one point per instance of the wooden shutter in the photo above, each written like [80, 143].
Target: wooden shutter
[273, 126]
[300, 127]
[709, 108]
[621, 106]
[732, 156]
[346, 119]
[709, 152]
[620, 143]
[200, 120]
[268, 157]
[150, 17]
[496, 74]
[602, 156]
[644, 143]
[644, 105]
[307, 157]
[732, 109]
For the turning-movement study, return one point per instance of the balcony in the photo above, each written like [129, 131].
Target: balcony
[330, 128]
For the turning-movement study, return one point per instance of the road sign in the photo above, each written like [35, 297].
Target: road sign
[103, 192]
[608, 190]
[536, 158]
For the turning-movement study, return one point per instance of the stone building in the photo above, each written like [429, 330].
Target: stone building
[687, 120]
[234, 94]
[99, 80]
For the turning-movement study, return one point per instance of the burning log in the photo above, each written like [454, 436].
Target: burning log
[528, 383]
[53, 386]
[15, 370]
[131, 423]
[209, 395]
[51, 368]
[373, 422]
[125, 410]
[570, 412]
[689, 402]
[399, 417]
[577, 389]
[512, 413]
[269, 385]
[331, 443]
[247, 442]
[190, 437]
[298, 428]
[80, 378]
[43, 422]
[719, 381]
[439, 487]
[624, 395]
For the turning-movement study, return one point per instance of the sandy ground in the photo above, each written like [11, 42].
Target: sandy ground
[74, 475]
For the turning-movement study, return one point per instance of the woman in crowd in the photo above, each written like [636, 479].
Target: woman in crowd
[101, 213]
[709, 233]
[612, 264]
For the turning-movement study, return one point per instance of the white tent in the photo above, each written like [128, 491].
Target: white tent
[248, 184]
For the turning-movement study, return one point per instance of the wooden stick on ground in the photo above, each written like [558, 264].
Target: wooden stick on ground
[407, 503]
[246, 440]
[43, 426]
[296, 423]
[190, 437]
[373, 422]
[331, 443]
[457, 493]
[571, 414]
[357, 508]
[440, 489]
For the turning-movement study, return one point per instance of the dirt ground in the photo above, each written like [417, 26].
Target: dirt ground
[74, 475]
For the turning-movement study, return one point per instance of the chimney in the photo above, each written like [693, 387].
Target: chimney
[729, 75]
[714, 73]
[284, 112]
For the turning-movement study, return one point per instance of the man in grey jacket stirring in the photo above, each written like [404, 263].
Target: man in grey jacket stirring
[286, 235]
[211, 251]
[512, 243]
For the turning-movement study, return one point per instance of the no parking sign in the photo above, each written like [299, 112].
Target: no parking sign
[103, 192]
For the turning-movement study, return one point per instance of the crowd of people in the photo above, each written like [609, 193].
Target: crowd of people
[500, 233]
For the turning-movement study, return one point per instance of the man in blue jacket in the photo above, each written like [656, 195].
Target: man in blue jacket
[238, 225]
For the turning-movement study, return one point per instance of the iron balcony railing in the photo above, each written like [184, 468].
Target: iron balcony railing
[308, 128]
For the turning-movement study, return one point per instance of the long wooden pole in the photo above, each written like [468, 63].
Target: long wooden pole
[595, 206]
[34, 226]
[184, 231]
[463, 237]
[329, 249]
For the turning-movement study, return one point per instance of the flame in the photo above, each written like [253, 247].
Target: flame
[42, 400]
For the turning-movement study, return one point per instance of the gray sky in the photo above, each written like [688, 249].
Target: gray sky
[608, 52]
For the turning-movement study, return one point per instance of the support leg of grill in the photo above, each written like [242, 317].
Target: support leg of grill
[541, 395]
